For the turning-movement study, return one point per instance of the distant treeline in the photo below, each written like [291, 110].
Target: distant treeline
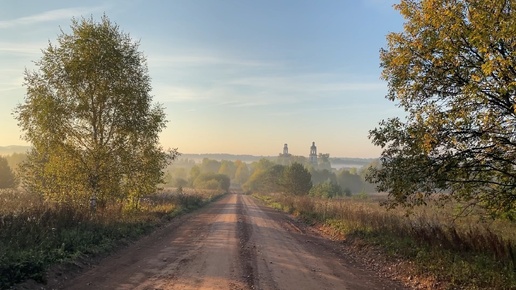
[14, 159]
[336, 162]
[8, 150]
[357, 161]
[190, 170]
[223, 156]
[263, 174]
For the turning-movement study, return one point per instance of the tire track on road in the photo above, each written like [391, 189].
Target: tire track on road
[247, 250]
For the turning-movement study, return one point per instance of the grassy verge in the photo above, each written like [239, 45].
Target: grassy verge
[34, 236]
[450, 253]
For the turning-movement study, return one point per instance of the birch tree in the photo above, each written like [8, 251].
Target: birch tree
[91, 120]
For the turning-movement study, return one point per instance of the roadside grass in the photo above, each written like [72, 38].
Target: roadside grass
[35, 235]
[450, 252]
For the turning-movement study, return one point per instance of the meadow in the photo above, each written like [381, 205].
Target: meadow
[35, 235]
[428, 247]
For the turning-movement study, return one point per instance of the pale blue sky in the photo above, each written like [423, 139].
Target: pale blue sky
[239, 77]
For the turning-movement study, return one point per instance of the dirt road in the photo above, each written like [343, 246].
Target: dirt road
[233, 243]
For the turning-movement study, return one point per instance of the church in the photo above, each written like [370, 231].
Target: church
[312, 157]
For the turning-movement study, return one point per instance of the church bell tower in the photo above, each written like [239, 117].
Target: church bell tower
[313, 154]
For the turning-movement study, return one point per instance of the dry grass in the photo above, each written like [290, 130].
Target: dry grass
[35, 235]
[455, 253]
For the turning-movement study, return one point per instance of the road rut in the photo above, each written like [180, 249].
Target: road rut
[233, 243]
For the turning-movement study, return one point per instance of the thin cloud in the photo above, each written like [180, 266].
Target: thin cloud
[204, 60]
[265, 91]
[22, 48]
[308, 84]
[178, 94]
[219, 96]
[48, 16]
[246, 103]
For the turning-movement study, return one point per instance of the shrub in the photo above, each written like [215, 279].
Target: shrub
[326, 189]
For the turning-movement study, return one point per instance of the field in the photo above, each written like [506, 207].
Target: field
[35, 235]
[427, 247]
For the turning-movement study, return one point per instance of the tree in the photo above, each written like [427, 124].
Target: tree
[324, 161]
[89, 115]
[227, 168]
[210, 165]
[266, 180]
[7, 177]
[15, 159]
[179, 172]
[352, 182]
[320, 176]
[195, 171]
[272, 179]
[326, 189]
[242, 172]
[453, 71]
[296, 179]
[261, 165]
[212, 181]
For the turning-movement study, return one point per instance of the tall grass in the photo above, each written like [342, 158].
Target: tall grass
[466, 253]
[35, 235]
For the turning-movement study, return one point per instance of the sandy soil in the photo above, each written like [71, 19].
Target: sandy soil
[234, 243]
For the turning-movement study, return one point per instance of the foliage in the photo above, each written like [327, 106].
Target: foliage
[242, 172]
[180, 182]
[8, 178]
[227, 168]
[431, 246]
[349, 181]
[266, 180]
[296, 180]
[195, 171]
[36, 235]
[323, 161]
[262, 165]
[327, 189]
[89, 115]
[210, 166]
[319, 176]
[452, 70]
[265, 175]
[212, 181]
[15, 159]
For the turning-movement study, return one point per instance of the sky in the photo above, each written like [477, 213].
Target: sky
[234, 76]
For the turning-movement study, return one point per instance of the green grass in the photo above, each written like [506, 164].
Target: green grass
[467, 253]
[34, 235]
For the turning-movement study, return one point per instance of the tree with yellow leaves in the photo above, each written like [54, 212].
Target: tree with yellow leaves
[453, 70]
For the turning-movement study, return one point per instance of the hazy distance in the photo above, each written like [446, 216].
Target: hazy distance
[235, 77]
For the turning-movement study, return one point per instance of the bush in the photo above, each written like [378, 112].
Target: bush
[212, 181]
[459, 255]
[7, 177]
[326, 189]
[296, 180]
[35, 235]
